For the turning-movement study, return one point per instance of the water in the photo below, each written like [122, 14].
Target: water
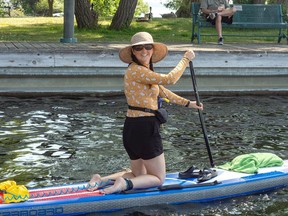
[54, 140]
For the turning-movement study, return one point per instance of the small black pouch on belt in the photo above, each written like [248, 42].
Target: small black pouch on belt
[161, 114]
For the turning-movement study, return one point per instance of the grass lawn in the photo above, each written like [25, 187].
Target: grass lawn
[50, 29]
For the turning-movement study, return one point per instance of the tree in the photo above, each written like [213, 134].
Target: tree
[50, 5]
[124, 14]
[183, 7]
[29, 6]
[44, 8]
[85, 17]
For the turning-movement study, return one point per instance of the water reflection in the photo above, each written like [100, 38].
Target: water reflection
[56, 140]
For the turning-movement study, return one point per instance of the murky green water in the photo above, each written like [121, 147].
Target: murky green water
[56, 140]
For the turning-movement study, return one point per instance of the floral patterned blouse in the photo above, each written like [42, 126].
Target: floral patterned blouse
[142, 87]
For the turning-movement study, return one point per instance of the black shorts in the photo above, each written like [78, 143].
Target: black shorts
[225, 19]
[141, 137]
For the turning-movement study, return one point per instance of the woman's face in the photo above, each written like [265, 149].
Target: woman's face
[143, 53]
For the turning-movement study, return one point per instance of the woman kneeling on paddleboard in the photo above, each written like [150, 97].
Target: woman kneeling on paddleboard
[141, 133]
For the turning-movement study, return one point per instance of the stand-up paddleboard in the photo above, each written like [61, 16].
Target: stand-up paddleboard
[75, 199]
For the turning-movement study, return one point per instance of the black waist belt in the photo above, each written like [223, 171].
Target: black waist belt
[142, 109]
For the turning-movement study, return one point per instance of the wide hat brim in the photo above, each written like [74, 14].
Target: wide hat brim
[160, 50]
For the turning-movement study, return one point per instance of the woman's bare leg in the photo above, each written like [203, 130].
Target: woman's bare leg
[148, 173]
[97, 181]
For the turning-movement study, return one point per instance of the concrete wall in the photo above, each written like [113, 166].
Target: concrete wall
[102, 72]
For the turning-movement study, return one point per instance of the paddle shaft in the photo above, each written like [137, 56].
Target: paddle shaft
[200, 113]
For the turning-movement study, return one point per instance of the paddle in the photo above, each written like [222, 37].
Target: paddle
[171, 187]
[200, 113]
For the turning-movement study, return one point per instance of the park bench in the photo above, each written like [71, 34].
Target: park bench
[253, 16]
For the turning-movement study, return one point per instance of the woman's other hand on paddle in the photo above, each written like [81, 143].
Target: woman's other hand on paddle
[189, 54]
[194, 105]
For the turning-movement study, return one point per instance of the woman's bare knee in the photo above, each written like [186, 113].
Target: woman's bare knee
[161, 179]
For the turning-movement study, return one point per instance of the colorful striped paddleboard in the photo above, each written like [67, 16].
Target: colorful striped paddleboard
[75, 199]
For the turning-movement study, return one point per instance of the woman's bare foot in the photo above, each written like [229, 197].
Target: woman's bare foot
[94, 183]
[118, 186]
[97, 182]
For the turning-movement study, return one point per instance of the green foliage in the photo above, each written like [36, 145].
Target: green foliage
[16, 4]
[106, 8]
[3, 11]
[174, 4]
[41, 7]
[141, 8]
[28, 6]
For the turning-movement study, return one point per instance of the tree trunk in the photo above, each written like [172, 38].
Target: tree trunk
[85, 17]
[50, 5]
[124, 14]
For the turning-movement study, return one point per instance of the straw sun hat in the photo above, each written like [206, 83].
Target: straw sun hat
[159, 49]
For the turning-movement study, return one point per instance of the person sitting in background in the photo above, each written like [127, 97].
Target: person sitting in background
[216, 12]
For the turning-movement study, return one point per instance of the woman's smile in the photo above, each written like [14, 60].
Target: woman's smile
[143, 55]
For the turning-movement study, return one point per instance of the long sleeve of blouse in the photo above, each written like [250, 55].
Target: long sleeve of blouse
[172, 97]
[145, 76]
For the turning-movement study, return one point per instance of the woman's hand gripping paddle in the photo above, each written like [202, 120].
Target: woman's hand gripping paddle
[200, 113]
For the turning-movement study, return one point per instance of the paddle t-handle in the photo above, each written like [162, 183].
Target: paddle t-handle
[200, 114]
